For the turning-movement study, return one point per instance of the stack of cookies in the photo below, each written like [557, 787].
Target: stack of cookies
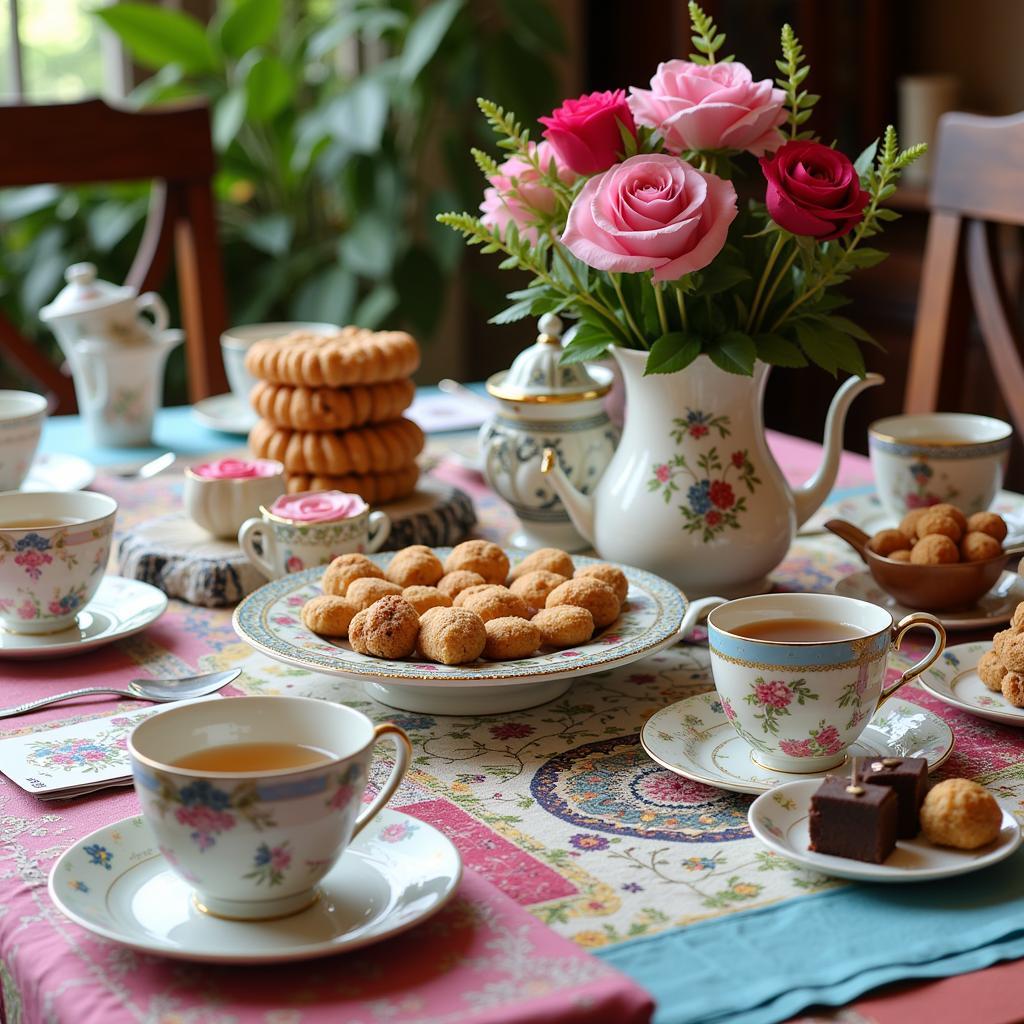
[331, 411]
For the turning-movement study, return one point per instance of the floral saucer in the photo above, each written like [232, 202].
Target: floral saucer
[779, 819]
[121, 608]
[993, 609]
[693, 738]
[954, 680]
[58, 472]
[269, 619]
[115, 883]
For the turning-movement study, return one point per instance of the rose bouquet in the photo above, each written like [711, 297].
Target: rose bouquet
[627, 218]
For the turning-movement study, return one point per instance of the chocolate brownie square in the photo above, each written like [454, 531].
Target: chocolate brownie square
[908, 778]
[860, 825]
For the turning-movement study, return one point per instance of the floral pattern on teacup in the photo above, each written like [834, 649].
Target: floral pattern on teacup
[822, 741]
[774, 697]
[269, 864]
[922, 495]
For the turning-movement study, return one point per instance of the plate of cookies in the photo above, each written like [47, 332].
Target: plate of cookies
[464, 630]
[976, 677]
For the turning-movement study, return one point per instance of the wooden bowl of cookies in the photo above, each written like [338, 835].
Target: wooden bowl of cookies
[937, 560]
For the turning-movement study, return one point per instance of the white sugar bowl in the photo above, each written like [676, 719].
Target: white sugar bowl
[543, 403]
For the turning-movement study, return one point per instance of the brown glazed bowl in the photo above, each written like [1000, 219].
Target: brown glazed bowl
[928, 588]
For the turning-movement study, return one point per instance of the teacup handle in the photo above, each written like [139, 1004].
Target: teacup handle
[379, 531]
[152, 302]
[251, 533]
[403, 755]
[900, 630]
[695, 612]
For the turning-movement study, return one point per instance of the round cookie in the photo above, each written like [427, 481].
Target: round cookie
[301, 408]
[1017, 621]
[424, 598]
[415, 566]
[452, 636]
[610, 574]
[564, 626]
[885, 542]
[491, 601]
[944, 508]
[479, 556]
[346, 568]
[387, 629]
[453, 583]
[549, 559]
[1009, 647]
[987, 522]
[373, 488]
[510, 637]
[534, 587]
[328, 615]
[1012, 688]
[960, 813]
[899, 556]
[935, 549]
[369, 590]
[941, 523]
[587, 592]
[908, 524]
[979, 547]
[991, 671]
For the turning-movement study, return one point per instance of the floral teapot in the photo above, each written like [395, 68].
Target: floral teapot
[693, 492]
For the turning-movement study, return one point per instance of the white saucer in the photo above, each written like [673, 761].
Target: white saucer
[115, 883]
[995, 608]
[120, 608]
[693, 738]
[226, 413]
[779, 820]
[58, 472]
[955, 681]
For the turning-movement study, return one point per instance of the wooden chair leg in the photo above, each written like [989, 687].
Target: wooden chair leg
[60, 390]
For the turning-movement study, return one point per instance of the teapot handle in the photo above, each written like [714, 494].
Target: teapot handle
[152, 302]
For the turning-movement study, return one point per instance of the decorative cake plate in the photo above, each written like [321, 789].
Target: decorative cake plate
[780, 820]
[115, 883]
[954, 680]
[993, 609]
[693, 738]
[655, 615]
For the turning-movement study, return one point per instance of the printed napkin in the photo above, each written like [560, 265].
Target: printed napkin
[73, 760]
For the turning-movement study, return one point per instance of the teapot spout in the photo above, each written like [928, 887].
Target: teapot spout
[810, 496]
[579, 506]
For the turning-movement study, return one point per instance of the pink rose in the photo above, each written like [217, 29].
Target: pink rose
[516, 194]
[796, 748]
[829, 741]
[584, 133]
[651, 212]
[716, 106]
[775, 694]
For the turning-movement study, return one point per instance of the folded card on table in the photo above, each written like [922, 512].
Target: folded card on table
[75, 759]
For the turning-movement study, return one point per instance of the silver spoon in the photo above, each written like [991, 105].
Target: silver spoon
[159, 690]
[148, 469]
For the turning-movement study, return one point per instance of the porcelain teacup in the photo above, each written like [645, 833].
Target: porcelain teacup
[221, 495]
[54, 549]
[799, 705]
[235, 342]
[311, 528]
[21, 423]
[939, 457]
[253, 844]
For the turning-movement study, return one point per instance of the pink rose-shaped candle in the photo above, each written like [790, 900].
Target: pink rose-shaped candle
[237, 469]
[651, 212]
[713, 106]
[317, 506]
[584, 133]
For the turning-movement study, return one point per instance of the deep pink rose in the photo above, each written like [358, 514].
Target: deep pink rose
[715, 106]
[517, 194]
[796, 748]
[829, 741]
[813, 190]
[776, 694]
[584, 133]
[651, 212]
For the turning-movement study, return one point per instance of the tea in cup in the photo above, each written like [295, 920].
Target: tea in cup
[938, 457]
[221, 495]
[311, 528]
[253, 800]
[800, 675]
[22, 414]
[54, 548]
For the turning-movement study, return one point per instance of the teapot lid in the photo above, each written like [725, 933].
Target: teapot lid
[536, 375]
[84, 293]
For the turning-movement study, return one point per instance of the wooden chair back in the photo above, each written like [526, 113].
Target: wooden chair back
[978, 189]
[92, 143]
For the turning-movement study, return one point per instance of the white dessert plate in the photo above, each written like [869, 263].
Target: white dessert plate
[693, 738]
[995, 608]
[954, 680]
[121, 608]
[270, 620]
[116, 883]
[780, 820]
[56, 472]
[226, 413]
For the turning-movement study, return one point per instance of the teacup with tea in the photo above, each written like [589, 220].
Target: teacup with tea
[253, 800]
[800, 675]
[22, 414]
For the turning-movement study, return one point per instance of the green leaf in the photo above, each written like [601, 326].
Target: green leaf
[271, 234]
[252, 23]
[510, 314]
[372, 311]
[734, 352]
[587, 342]
[865, 257]
[720, 277]
[368, 247]
[268, 87]
[847, 326]
[774, 349]
[156, 36]
[228, 115]
[672, 352]
[326, 296]
[536, 23]
[425, 36]
[357, 118]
